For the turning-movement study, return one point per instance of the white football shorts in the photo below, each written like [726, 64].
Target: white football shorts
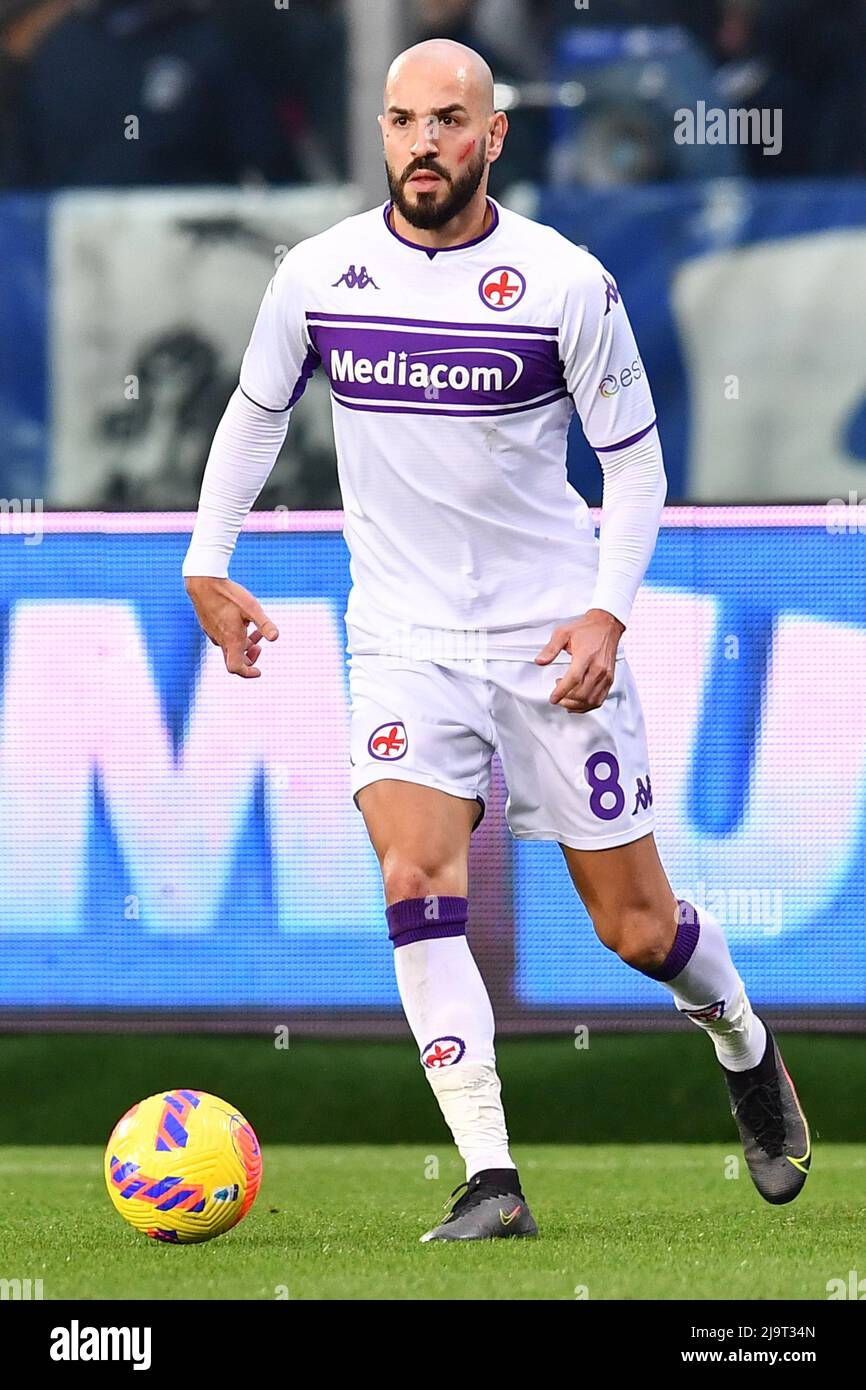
[580, 779]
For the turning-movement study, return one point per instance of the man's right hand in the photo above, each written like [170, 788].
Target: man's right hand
[225, 611]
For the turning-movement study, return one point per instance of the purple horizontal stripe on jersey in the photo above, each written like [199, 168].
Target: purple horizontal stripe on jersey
[623, 443]
[313, 316]
[410, 366]
[490, 413]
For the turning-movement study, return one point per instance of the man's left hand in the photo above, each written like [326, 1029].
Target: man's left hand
[591, 641]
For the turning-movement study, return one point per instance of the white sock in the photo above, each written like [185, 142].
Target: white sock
[448, 1009]
[706, 987]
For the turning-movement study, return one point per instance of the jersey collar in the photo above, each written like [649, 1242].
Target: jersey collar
[442, 250]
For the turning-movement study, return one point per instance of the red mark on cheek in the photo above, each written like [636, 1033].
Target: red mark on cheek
[466, 152]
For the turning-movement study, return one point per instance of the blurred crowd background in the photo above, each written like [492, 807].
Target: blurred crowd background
[254, 98]
[242, 94]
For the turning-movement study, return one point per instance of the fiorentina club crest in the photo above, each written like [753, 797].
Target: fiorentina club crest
[502, 288]
[389, 741]
[709, 1014]
[442, 1052]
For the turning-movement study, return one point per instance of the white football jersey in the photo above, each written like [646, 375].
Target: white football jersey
[454, 375]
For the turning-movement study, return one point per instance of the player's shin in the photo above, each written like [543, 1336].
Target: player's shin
[706, 988]
[448, 1010]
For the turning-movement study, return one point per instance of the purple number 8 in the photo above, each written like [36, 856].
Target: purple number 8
[602, 784]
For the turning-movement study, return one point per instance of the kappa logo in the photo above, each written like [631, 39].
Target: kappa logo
[710, 1014]
[355, 279]
[644, 795]
[502, 288]
[611, 294]
[389, 741]
[442, 1052]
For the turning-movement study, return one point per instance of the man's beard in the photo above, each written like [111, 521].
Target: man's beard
[427, 214]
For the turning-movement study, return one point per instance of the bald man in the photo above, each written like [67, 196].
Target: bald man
[440, 185]
[484, 616]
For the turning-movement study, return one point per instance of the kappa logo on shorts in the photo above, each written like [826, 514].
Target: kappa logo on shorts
[708, 1014]
[389, 741]
[443, 1052]
[644, 795]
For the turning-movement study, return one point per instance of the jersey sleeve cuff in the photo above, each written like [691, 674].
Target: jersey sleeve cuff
[614, 602]
[624, 443]
[200, 561]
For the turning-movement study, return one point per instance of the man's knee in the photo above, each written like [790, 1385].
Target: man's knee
[413, 876]
[641, 936]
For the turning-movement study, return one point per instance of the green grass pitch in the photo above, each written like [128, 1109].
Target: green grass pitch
[624, 1221]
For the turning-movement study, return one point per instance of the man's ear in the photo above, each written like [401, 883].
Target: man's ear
[498, 132]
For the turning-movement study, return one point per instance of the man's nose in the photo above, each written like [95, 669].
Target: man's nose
[426, 137]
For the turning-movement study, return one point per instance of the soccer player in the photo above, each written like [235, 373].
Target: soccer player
[484, 615]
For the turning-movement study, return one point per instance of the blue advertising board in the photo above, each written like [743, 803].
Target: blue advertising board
[173, 838]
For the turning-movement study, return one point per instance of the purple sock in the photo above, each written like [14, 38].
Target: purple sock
[685, 941]
[426, 919]
[703, 980]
